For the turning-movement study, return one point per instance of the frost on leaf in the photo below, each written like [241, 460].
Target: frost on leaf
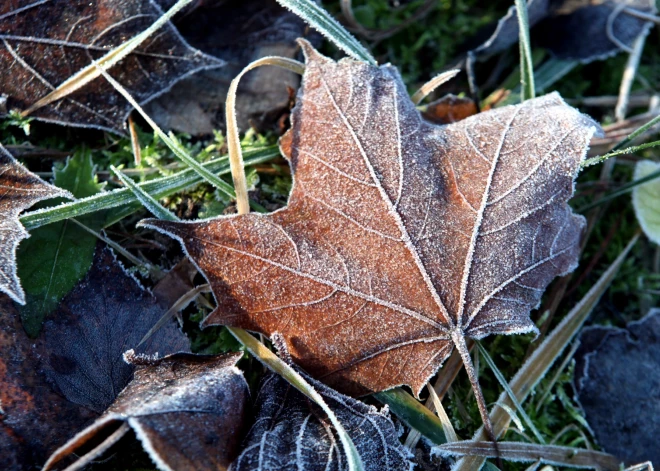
[646, 199]
[46, 42]
[399, 234]
[19, 189]
[186, 410]
[292, 433]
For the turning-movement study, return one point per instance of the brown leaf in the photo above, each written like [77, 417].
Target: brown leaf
[20, 189]
[44, 43]
[450, 109]
[186, 410]
[400, 237]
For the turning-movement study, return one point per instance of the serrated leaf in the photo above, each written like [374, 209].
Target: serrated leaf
[646, 199]
[186, 410]
[46, 42]
[19, 189]
[292, 433]
[57, 257]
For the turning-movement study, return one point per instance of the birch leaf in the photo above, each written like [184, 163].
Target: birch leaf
[292, 433]
[400, 237]
[646, 200]
[186, 410]
[46, 42]
[19, 189]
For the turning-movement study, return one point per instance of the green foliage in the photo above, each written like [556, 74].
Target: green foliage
[56, 257]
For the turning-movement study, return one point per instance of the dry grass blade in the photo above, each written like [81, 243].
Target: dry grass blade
[450, 433]
[92, 71]
[432, 84]
[530, 452]
[537, 365]
[233, 140]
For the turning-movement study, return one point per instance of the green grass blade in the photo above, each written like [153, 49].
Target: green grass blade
[500, 377]
[145, 198]
[320, 20]
[636, 133]
[273, 362]
[628, 150]
[413, 414]
[158, 188]
[538, 364]
[526, 64]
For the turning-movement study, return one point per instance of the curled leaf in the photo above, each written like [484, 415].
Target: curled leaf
[186, 410]
[19, 189]
[400, 237]
[292, 433]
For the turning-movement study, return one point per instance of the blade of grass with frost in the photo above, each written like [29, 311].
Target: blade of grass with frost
[272, 361]
[448, 428]
[127, 203]
[92, 71]
[500, 377]
[630, 150]
[145, 198]
[531, 452]
[538, 364]
[526, 65]
[320, 20]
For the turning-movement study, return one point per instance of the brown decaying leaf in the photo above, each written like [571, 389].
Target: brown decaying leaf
[401, 238]
[450, 109]
[19, 189]
[45, 42]
[186, 410]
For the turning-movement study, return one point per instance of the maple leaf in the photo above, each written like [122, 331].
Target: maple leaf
[292, 433]
[186, 410]
[401, 237]
[19, 189]
[46, 42]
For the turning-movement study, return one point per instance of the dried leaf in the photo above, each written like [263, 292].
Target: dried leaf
[450, 109]
[292, 433]
[400, 237]
[44, 43]
[618, 386]
[20, 190]
[646, 199]
[574, 29]
[105, 315]
[186, 410]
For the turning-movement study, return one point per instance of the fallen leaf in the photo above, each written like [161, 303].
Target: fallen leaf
[618, 387]
[105, 315]
[581, 30]
[74, 370]
[186, 410]
[58, 256]
[46, 42]
[177, 282]
[292, 433]
[258, 28]
[450, 109]
[401, 237]
[32, 414]
[20, 190]
[646, 199]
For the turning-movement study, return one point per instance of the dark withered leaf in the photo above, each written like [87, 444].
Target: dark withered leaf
[400, 237]
[293, 433]
[19, 189]
[44, 43]
[258, 28]
[186, 410]
[105, 315]
[32, 414]
[580, 30]
[618, 387]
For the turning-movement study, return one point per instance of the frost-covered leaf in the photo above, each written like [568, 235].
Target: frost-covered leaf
[57, 256]
[186, 410]
[292, 433]
[46, 42]
[19, 189]
[618, 387]
[105, 315]
[646, 199]
[581, 30]
[400, 237]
